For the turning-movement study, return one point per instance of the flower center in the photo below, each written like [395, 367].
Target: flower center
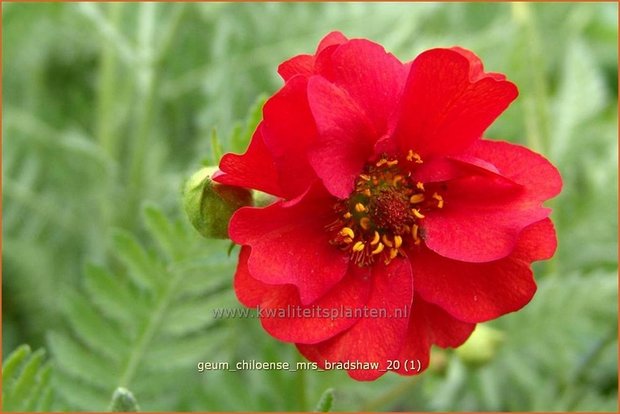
[382, 216]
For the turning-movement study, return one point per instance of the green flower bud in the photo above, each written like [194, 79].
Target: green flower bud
[123, 401]
[209, 205]
[481, 346]
[438, 361]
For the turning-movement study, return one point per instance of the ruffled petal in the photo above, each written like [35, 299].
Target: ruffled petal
[476, 68]
[477, 292]
[373, 339]
[290, 245]
[288, 131]
[534, 172]
[346, 136]
[249, 291]
[305, 64]
[428, 325]
[448, 102]
[485, 211]
[255, 169]
[373, 78]
[331, 39]
[298, 65]
[286, 318]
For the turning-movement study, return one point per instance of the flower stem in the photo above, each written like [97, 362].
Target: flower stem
[537, 119]
[390, 396]
[107, 91]
[301, 386]
[149, 75]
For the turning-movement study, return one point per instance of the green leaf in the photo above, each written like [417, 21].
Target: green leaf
[326, 401]
[139, 332]
[143, 268]
[241, 135]
[216, 148]
[26, 381]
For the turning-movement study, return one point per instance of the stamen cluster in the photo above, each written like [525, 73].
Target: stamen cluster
[382, 215]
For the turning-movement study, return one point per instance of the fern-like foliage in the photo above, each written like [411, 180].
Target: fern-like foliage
[26, 381]
[146, 322]
[568, 333]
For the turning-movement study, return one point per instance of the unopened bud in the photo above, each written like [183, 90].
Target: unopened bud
[209, 205]
[481, 346]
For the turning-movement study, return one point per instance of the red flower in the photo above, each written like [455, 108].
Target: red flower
[389, 202]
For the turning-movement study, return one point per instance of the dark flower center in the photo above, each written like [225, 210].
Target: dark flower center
[382, 216]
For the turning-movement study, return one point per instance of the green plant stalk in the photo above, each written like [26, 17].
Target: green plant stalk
[107, 91]
[148, 333]
[537, 109]
[301, 387]
[574, 389]
[391, 395]
[537, 117]
[152, 74]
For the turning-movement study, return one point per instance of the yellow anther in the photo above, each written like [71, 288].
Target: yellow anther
[416, 198]
[397, 179]
[375, 239]
[347, 240]
[393, 253]
[417, 213]
[398, 241]
[439, 200]
[414, 232]
[378, 249]
[386, 241]
[365, 223]
[347, 231]
[366, 192]
[390, 163]
[365, 177]
[359, 207]
[347, 215]
[420, 186]
[414, 156]
[358, 247]
[381, 162]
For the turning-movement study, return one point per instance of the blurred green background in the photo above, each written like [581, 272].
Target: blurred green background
[109, 107]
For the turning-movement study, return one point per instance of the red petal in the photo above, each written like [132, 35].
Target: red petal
[373, 78]
[534, 172]
[304, 64]
[249, 291]
[477, 292]
[484, 214]
[290, 245]
[298, 65]
[289, 130]
[444, 109]
[438, 169]
[372, 339]
[345, 140]
[331, 39]
[476, 69]
[429, 325]
[254, 169]
[286, 318]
